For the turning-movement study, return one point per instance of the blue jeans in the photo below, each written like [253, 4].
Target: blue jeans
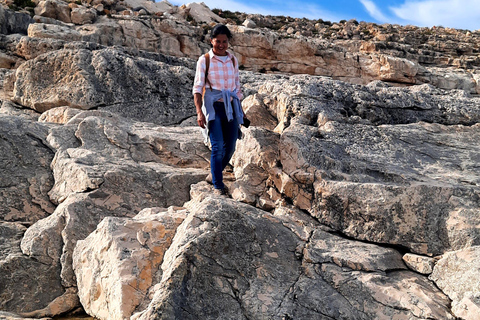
[223, 137]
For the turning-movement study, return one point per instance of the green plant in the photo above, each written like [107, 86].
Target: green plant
[206, 28]
[229, 15]
[20, 4]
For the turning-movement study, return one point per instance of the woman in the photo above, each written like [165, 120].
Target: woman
[217, 96]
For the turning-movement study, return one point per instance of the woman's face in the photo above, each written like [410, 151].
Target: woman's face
[220, 45]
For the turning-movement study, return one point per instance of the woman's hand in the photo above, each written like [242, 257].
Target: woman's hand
[201, 119]
[198, 106]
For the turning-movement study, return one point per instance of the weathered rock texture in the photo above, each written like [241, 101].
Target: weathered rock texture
[127, 249]
[137, 88]
[25, 175]
[456, 274]
[349, 201]
[363, 161]
[108, 166]
[278, 274]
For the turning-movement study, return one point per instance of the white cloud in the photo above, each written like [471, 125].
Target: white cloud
[463, 14]
[374, 11]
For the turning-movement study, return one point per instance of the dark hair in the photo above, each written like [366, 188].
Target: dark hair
[220, 29]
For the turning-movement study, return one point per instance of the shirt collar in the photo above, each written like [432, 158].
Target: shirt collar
[214, 55]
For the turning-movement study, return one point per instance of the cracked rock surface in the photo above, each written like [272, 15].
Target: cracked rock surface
[347, 200]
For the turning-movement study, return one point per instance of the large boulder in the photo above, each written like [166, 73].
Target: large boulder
[25, 174]
[25, 284]
[229, 260]
[359, 160]
[265, 50]
[109, 166]
[13, 22]
[60, 32]
[82, 15]
[151, 6]
[118, 265]
[56, 9]
[458, 275]
[154, 35]
[109, 79]
[201, 13]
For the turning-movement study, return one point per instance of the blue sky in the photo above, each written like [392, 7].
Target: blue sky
[460, 14]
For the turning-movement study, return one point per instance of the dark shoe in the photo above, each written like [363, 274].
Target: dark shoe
[220, 192]
[229, 168]
[209, 178]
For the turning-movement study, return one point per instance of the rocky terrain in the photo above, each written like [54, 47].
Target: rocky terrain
[353, 195]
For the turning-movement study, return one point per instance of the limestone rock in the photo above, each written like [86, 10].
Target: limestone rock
[56, 9]
[7, 61]
[326, 248]
[13, 109]
[10, 235]
[250, 280]
[105, 32]
[7, 85]
[66, 302]
[201, 13]
[31, 47]
[248, 23]
[139, 35]
[399, 294]
[82, 15]
[39, 283]
[120, 261]
[420, 264]
[253, 275]
[42, 30]
[324, 162]
[13, 22]
[109, 166]
[138, 88]
[120, 145]
[457, 274]
[350, 51]
[12, 316]
[150, 6]
[341, 174]
[254, 155]
[256, 111]
[59, 115]
[26, 176]
[265, 50]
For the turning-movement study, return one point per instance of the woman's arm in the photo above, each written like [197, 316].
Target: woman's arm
[199, 82]
[237, 80]
[198, 86]
[198, 105]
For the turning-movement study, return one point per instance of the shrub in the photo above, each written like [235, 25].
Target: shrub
[226, 14]
[20, 4]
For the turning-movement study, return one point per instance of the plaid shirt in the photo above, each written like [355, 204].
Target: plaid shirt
[221, 75]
